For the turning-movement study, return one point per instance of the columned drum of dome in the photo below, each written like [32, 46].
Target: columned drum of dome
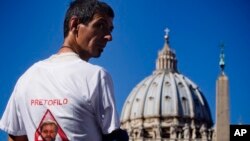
[167, 105]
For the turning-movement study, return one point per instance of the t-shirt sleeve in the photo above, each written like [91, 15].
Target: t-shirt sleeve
[104, 103]
[11, 121]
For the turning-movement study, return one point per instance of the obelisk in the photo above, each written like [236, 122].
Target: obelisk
[222, 103]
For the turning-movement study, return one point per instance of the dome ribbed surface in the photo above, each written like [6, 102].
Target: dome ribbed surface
[166, 94]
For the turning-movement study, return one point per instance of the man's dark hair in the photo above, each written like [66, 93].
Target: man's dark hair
[84, 10]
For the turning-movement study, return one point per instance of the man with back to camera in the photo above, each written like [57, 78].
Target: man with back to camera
[66, 88]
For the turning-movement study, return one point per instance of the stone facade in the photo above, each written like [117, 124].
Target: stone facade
[154, 129]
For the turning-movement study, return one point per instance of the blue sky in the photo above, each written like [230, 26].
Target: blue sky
[32, 30]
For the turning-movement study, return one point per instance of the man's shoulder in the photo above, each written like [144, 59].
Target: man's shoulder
[94, 67]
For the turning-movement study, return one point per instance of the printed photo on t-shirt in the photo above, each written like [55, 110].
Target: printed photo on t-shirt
[49, 129]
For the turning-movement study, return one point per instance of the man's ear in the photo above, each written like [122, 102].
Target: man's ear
[74, 21]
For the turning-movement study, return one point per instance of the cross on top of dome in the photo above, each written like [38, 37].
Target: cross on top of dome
[166, 33]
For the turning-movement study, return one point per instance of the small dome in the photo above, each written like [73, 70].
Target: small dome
[165, 100]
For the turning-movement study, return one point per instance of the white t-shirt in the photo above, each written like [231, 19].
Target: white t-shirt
[75, 95]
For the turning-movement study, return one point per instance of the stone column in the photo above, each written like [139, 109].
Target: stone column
[222, 109]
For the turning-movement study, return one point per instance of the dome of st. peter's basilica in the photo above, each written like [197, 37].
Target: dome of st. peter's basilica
[167, 105]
